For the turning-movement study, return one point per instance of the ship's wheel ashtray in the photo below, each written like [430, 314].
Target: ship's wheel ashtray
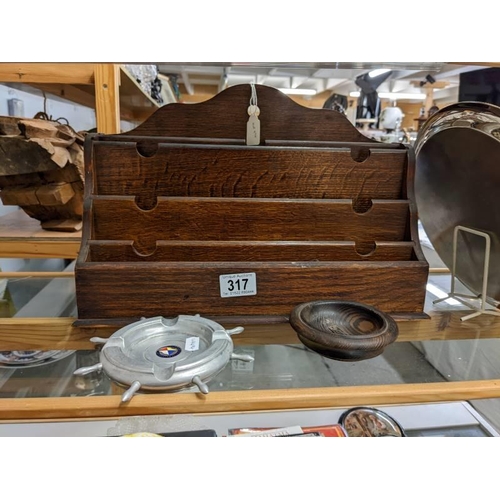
[165, 354]
[28, 359]
[345, 331]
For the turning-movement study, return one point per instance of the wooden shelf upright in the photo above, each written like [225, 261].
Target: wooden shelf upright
[109, 88]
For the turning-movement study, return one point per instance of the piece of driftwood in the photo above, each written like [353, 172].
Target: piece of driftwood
[317, 211]
[42, 171]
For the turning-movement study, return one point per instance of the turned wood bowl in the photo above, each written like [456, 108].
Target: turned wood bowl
[345, 331]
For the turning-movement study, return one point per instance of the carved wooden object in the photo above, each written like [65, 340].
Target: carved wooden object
[42, 171]
[346, 331]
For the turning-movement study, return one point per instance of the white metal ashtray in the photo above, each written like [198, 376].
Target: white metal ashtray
[165, 354]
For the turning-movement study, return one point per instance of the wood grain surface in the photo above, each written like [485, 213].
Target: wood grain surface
[245, 172]
[21, 156]
[107, 98]
[280, 118]
[253, 400]
[37, 274]
[343, 330]
[257, 251]
[47, 73]
[49, 249]
[191, 288]
[321, 182]
[119, 218]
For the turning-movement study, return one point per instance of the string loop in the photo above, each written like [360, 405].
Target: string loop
[253, 98]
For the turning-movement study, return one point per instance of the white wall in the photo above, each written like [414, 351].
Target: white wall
[79, 117]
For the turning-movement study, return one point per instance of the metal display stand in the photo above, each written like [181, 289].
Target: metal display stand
[463, 297]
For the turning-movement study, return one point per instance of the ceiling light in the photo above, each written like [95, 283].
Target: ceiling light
[299, 91]
[400, 95]
[394, 95]
[378, 72]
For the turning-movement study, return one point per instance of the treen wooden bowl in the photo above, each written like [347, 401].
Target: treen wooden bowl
[345, 331]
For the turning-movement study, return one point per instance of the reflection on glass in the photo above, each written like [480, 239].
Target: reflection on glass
[27, 297]
[275, 367]
[50, 376]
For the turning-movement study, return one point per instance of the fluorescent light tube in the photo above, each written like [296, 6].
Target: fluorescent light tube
[400, 95]
[378, 72]
[395, 96]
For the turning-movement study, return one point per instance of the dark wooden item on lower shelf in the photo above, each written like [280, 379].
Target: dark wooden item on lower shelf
[346, 331]
[316, 211]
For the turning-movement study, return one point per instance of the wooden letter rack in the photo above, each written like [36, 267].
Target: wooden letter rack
[316, 211]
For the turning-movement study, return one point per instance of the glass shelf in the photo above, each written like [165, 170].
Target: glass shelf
[276, 367]
[439, 359]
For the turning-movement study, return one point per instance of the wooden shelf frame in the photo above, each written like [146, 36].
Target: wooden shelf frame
[22, 237]
[109, 88]
[245, 401]
[60, 333]
[112, 91]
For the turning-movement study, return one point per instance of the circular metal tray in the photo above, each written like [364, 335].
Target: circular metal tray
[28, 359]
[457, 182]
[166, 354]
[370, 422]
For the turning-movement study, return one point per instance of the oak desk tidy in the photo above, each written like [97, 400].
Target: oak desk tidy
[314, 211]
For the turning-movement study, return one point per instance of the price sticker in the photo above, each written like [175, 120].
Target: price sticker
[237, 285]
[192, 344]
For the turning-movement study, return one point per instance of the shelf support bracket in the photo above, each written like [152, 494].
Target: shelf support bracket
[107, 98]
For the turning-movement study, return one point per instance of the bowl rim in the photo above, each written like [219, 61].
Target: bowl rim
[297, 320]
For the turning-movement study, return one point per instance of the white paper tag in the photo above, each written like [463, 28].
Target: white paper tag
[253, 131]
[192, 344]
[237, 285]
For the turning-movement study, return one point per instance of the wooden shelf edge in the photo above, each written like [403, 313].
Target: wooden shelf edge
[50, 249]
[73, 73]
[60, 333]
[486, 64]
[242, 401]
[23, 237]
[36, 274]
